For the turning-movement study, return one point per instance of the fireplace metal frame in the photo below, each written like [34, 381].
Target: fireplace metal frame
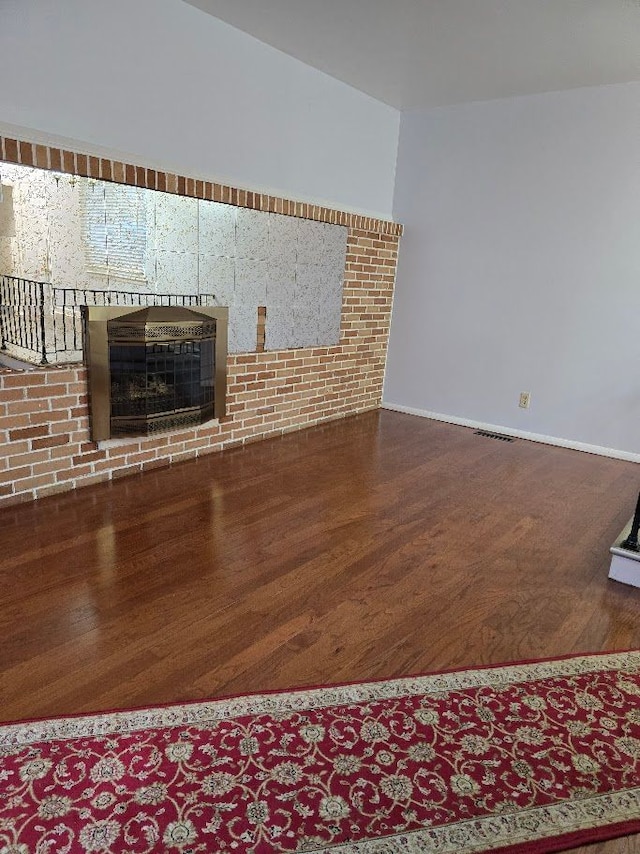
[96, 351]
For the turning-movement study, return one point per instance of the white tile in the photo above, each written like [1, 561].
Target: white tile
[251, 281]
[176, 224]
[328, 291]
[177, 272]
[309, 280]
[310, 242]
[217, 228]
[281, 283]
[283, 238]
[252, 234]
[279, 334]
[216, 275]
[305, 327]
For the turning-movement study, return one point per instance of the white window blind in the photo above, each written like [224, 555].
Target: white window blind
[115, 229]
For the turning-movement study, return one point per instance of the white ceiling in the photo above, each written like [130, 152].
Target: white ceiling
[425, 53]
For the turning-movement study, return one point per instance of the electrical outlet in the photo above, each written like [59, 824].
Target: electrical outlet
[525, 399]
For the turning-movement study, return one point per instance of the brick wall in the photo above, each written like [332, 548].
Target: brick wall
[45, 445]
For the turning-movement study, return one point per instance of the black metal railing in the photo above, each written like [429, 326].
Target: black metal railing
[42, 323]
[22, 321]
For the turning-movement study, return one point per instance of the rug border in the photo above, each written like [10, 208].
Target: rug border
[427, 839]
[551, 845]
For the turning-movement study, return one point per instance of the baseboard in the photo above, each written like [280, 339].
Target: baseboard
[518, 434]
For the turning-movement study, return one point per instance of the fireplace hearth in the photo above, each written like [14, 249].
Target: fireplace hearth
[155, 369]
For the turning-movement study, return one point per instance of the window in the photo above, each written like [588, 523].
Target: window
[115, 229]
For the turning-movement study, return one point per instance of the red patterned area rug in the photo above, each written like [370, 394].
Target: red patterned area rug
[526, 757]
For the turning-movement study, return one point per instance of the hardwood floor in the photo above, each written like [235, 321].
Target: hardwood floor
[381, 545]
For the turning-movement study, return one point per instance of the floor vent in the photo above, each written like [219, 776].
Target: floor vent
[490, 435]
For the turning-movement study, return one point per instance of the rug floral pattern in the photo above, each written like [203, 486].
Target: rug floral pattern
[458, 762]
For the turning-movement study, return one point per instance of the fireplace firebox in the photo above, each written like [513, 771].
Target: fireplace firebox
[155, 369]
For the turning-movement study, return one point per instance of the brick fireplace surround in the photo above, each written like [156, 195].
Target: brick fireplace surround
[45, 446]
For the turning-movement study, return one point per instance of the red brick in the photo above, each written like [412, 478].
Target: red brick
[54, 489]
[26, 152]
[158, 442]
[48, 417]
[64, 402]
[21, 380]
[125, 472]
[73, 473]
[64, 427]
[65, 451]
[183, 456]
[46, 467]
[10, 422]
[15, 474]
[51, 391]
[55, 156]
[89, 458]
[141, 457]
[11, 149]
[106, 465]
[19, 498]
[37, 481]
[51, 441]
[7, 394]
[61, 376]
[28, 433]
[78, 388]
[155, 464]
[20, 407]
[89, 480]
[68, 161]
[11, 448]
[28, 458]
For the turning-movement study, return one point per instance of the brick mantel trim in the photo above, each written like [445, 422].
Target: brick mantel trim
[90, 166]
[45, 444]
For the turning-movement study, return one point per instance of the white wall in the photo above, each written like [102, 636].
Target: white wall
[180, 90]
[520, 265]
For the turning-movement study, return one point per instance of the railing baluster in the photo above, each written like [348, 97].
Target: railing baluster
[29, 320]
[3, 310]
[12, 320]
[42, 326]
[54, 314]
[34, 312]
[74, 318]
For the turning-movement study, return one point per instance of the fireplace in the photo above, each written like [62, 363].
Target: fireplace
[154, 369]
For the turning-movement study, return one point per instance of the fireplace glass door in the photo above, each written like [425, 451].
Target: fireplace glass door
[161, 379]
